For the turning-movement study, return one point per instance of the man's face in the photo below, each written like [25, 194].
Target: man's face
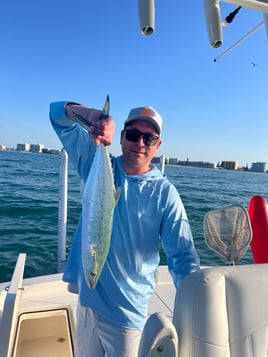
[137, 155]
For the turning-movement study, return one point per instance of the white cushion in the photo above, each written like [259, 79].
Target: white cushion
[159, 338]
[223, 312]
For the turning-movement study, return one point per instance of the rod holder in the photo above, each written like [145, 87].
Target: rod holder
[146, 16]
[213, 21]
[265, 17]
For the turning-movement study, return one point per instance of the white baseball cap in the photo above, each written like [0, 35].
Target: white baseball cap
[148, 114]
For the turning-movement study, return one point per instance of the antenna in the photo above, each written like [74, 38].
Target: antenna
[240, 41]
[229, 18]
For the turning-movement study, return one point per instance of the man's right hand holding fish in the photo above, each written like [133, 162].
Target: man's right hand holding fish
[101, 131]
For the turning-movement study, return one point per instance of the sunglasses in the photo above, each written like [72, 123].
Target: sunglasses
[134, 135]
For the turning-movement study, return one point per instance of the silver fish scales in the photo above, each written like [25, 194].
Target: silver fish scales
[98, 203]
[99, 200]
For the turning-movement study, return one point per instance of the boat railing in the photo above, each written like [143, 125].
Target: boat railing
[62, 213]
[9, 315]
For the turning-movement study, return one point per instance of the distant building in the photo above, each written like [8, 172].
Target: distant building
[259, 167]
[23, 147]
[229, 165]
[173, 161]
[36, 148]
[207, 165]
[2, 147]
[55, 151]
[50, 151]
[158, 159]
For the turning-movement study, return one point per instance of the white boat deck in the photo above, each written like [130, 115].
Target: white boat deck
[45, 314]
[51, 291]
[164, 296]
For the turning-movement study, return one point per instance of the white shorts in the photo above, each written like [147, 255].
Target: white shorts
[96, 337]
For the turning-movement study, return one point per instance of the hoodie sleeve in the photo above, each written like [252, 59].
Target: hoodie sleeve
[177, 239]
[74, 138]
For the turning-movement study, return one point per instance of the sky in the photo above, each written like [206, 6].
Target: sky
[82, 50]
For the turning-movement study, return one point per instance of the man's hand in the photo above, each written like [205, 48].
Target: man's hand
[101, 131]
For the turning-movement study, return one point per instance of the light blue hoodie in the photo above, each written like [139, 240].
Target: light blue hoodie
[149, 211]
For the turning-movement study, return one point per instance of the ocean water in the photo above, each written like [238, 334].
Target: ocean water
[29, 185]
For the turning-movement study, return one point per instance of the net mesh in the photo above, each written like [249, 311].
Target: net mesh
[228, 232]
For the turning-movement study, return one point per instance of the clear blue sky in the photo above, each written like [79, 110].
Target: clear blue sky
[80, 50]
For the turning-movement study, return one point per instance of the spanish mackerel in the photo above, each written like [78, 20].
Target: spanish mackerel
[98, 203]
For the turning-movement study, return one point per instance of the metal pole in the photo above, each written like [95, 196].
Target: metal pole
[240, 41]
[162, 163]
[62, 216]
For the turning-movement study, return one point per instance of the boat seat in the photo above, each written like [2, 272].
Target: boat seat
[159, 337]
[218, 312]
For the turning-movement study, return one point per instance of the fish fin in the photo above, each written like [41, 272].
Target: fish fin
[117, 195]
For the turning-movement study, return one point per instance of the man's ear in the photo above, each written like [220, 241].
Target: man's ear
[159, 143]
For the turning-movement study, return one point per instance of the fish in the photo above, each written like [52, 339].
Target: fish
[83, 122]
[98, 203]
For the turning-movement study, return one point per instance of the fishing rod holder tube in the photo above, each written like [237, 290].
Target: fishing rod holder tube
[265, 17]
[214, 23]
[146, 16]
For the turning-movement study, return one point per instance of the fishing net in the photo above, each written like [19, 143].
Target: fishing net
[228, 232]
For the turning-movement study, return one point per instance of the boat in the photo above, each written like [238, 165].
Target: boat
[37, 315]
[218, 311]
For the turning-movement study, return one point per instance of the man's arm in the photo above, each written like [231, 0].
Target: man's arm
[101, 130]
[177, 239]
[79, 144]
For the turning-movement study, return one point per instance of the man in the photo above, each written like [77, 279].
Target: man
[110, 317]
